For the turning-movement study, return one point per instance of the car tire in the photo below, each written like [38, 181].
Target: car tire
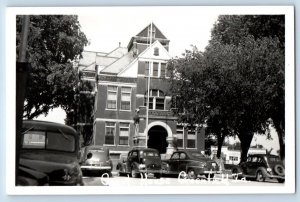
[281, 180]
[191, 174]
[260, 176]
[279, 170]
[235, 172]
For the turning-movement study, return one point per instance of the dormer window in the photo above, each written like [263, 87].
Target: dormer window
[156, 51]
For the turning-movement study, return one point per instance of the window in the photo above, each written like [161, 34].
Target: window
[125, 98]
[156, 51]
[233, 158]
[156, 100]
[147, 67]
[155, 69]
[112, 97]
[110, 128]
[180, 135]
[34, 140]
[124, 134]
[191, 139]
[175, 156]
[163, 70]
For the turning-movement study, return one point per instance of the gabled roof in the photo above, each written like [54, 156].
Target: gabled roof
[158, 33]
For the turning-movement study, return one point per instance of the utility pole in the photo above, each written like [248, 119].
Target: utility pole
[22, 70]
[148, 90]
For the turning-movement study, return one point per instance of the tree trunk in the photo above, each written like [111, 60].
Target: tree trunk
[246, 139]
[221, 138]
[280, 133]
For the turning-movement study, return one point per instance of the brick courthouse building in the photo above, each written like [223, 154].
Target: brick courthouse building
[120, 111]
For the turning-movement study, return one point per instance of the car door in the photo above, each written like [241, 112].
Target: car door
[132, 159]
[173, 163]
[246, 164]
[183, 161]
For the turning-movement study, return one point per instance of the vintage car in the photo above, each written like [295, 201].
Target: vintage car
[96, 159]
[262, 166]
[52, 149]
[141, 161]
[194, 164]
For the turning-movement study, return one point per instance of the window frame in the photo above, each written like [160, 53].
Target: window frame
[130, 95]
[107, 126]
[187, 139]
[107, 100]
[124, 136]
[180, 130]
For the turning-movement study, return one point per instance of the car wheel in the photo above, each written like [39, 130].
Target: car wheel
[191, 174]
[260, 176]
[157, 175]
[134, 174]
[281, 180]
[235, 173]
[279, 169]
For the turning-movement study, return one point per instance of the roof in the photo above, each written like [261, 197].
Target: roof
[49, 126]
[119, 64]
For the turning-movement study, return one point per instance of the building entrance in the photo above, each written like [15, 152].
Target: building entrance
[158, 139]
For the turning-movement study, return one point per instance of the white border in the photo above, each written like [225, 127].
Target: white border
[289, 185]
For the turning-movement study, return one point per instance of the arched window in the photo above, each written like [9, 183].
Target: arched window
[156, 99]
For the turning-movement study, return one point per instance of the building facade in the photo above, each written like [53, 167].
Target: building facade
[128, 80]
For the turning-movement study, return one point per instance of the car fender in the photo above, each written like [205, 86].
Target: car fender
[263, 170]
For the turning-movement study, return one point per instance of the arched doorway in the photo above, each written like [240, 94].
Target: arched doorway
[158, 139]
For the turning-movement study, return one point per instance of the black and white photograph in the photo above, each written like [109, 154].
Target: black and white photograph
[150, 100]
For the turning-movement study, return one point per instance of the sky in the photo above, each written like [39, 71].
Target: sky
[106, 27]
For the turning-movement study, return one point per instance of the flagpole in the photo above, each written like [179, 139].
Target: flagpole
[148, 91]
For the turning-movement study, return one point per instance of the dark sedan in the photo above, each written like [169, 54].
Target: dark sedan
[52, 149]
[141, 161]
[262, 166]
[194, 164]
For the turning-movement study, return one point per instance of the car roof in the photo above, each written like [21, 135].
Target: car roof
[46, 125]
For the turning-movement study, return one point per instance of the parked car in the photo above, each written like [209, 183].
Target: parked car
[52, 149]
[194, 164]
[96, 159]
[141, 161]
[262, 166]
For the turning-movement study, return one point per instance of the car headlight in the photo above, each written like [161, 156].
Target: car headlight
[142, 166]
[269, 170]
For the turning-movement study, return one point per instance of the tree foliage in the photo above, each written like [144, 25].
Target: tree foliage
[237, 84]
[54, 42]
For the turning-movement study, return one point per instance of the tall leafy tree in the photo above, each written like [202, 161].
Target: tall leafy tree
[54, 42]
[261, 42]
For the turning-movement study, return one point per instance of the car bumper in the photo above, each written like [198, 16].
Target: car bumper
[275, 176]
[150, 171]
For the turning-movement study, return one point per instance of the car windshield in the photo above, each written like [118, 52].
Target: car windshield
[149, 154]
[273, 159]
[49, 141]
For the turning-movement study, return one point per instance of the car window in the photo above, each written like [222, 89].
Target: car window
[254, 159]
[134, 154]
[273, 159]
[175, 156]
[260, 160]
[249, 159]
[34, 140]
[149, 154]
[50, 140]
[182, 156]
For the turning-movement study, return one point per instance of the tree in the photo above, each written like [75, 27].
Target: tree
[80, 113]
[265, 35]
[54, 42]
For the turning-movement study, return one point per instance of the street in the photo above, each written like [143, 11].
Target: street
[116, 180]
